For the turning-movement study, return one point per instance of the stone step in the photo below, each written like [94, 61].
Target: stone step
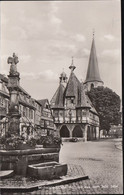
[6, 173]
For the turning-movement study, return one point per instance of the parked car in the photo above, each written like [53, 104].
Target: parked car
[73, 139]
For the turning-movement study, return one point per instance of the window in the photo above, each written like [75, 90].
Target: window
[61, 113]
[56, 114]
[39, 107]
[24, 111]
[27, 112]
[24, 97]
[72, 101]
[31, 114]
[42, 122]
[2, 101]
[51, 123]
[78, 112]
[45, 113]
[47, 122]
[83, 112]
[47, 106]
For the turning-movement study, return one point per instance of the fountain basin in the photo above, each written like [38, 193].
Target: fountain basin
[47, 171]
[18, 160]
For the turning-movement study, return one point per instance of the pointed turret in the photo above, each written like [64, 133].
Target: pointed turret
[71, 88]
[93, 76]
[58, 99]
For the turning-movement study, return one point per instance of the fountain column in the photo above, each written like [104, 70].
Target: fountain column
[13, 87]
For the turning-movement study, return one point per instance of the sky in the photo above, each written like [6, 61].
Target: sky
[46, 34]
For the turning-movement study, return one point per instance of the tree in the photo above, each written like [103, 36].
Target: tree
[107, 104]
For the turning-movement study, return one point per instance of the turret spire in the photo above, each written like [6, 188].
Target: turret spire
[93, 33]
[72, 67]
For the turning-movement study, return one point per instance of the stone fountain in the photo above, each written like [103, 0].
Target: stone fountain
[41, 163]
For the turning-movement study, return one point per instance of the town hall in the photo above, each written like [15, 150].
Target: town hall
[73, 112]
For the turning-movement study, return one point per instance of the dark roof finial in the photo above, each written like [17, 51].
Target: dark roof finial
[93, 33]
[72, 67]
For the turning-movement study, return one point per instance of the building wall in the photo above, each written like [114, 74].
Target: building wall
[77, 117]
[94, 84]
[32, 114]
[47, 122]
[115, 131]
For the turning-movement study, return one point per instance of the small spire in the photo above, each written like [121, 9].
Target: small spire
[63, 77]
[72, 61]
[93, 33]
[72, 67]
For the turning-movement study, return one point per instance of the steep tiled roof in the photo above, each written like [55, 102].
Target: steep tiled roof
[22, 90]
[3, 78]
[73, 89]
[55, 95]
[82, 98]
[42, 102]
[92, 107]
[72, 86]
[93, 69]
[59, 97]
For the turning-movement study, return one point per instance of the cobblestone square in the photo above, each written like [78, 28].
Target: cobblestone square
[100, 160]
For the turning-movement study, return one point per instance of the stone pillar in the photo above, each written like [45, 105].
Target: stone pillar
[70, 132]
[13, 87]
[97, 133]
[85, 132]
[70, 128]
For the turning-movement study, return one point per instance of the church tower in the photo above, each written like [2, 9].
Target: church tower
[93, 76]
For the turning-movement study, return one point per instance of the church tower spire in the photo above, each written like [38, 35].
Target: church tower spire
[93, 76]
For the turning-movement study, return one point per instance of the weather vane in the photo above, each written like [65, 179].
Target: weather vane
[93, 33]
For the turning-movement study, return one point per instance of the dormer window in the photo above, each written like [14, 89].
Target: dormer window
[47, 106]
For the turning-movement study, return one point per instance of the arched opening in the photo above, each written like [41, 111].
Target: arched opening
[92, 86]
[77, 131]
[64, 132]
